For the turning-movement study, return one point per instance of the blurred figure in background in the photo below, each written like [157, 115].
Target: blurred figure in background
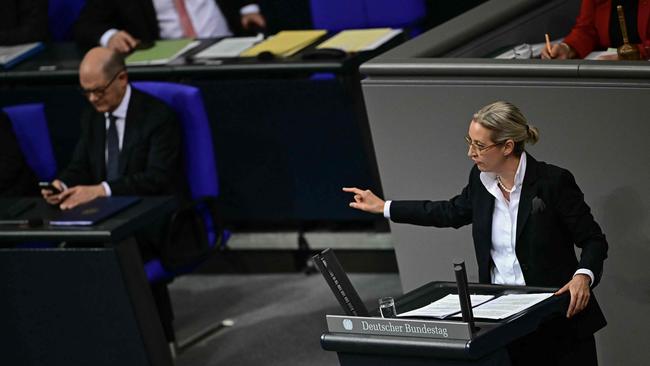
[123, 24]
[597, 28]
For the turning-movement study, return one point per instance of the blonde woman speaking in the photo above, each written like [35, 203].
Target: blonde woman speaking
[526, 217]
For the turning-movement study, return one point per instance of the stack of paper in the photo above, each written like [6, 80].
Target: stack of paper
[229, 47]
[448, 305]
[358, 40]
[11, 55]
[526, 51]
[285, 43]
[161, 53]
[597, 54]
[508, 305]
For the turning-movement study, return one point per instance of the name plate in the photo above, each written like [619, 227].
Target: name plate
[395, 327]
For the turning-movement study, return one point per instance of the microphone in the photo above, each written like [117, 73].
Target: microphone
[463, 294]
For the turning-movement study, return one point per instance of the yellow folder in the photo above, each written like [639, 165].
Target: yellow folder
[357, 40]
[285, 43]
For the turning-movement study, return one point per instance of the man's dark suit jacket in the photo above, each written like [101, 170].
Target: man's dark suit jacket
[138, 18]
[150, 155]
[16, 177]
[23, 21]
[552, 217]
[149, 162]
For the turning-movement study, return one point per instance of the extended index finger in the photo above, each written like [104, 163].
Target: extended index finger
[352, 190]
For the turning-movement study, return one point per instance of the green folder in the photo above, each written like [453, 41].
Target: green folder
[161, 53]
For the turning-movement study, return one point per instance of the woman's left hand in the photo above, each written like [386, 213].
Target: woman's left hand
[580, 293]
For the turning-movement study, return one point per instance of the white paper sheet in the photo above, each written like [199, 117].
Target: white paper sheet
[596, 54]
[229, 47]
[527, 51]
[10, 53]
[507, 305]
[445, 307]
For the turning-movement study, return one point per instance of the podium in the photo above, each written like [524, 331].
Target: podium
[451, 342]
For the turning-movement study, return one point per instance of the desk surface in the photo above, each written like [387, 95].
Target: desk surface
[114, 229]
[59, 62]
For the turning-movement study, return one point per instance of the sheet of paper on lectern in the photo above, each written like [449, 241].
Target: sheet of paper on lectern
[507, 305]
[448, 305]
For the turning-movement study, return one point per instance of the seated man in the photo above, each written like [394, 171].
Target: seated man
[122, 24]
[130, 145]
[130, 141]
[17, 178]
[23, 21]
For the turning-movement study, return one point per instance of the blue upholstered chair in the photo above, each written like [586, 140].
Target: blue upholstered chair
[199, 163]
[336, 15]
[201, 172]
[62, 14]
[30, 126]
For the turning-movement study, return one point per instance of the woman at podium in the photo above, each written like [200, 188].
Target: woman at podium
[526, 217]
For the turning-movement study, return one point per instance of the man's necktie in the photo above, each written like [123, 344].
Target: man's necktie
[186, 22]
[113, 148]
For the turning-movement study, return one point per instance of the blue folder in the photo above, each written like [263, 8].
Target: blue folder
[92, 212]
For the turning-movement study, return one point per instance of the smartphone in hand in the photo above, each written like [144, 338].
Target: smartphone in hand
[48, 186]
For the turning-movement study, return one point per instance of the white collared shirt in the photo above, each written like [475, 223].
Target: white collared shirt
[506, 269]
[206, 17]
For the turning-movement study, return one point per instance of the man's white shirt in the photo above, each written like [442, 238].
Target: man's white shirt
[206, 17]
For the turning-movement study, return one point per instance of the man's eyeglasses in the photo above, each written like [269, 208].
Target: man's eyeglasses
[477, 146]
[99, 92]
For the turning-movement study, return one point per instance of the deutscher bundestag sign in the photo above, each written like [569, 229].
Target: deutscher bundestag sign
[439, 329]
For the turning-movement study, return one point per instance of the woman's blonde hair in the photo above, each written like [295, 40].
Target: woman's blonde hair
[506, 122]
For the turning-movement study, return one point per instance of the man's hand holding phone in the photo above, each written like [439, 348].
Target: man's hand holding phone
[51, 192]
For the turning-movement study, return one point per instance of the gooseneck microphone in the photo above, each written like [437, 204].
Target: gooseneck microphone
[463, 294]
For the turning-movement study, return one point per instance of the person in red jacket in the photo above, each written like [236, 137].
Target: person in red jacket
[597, 28]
